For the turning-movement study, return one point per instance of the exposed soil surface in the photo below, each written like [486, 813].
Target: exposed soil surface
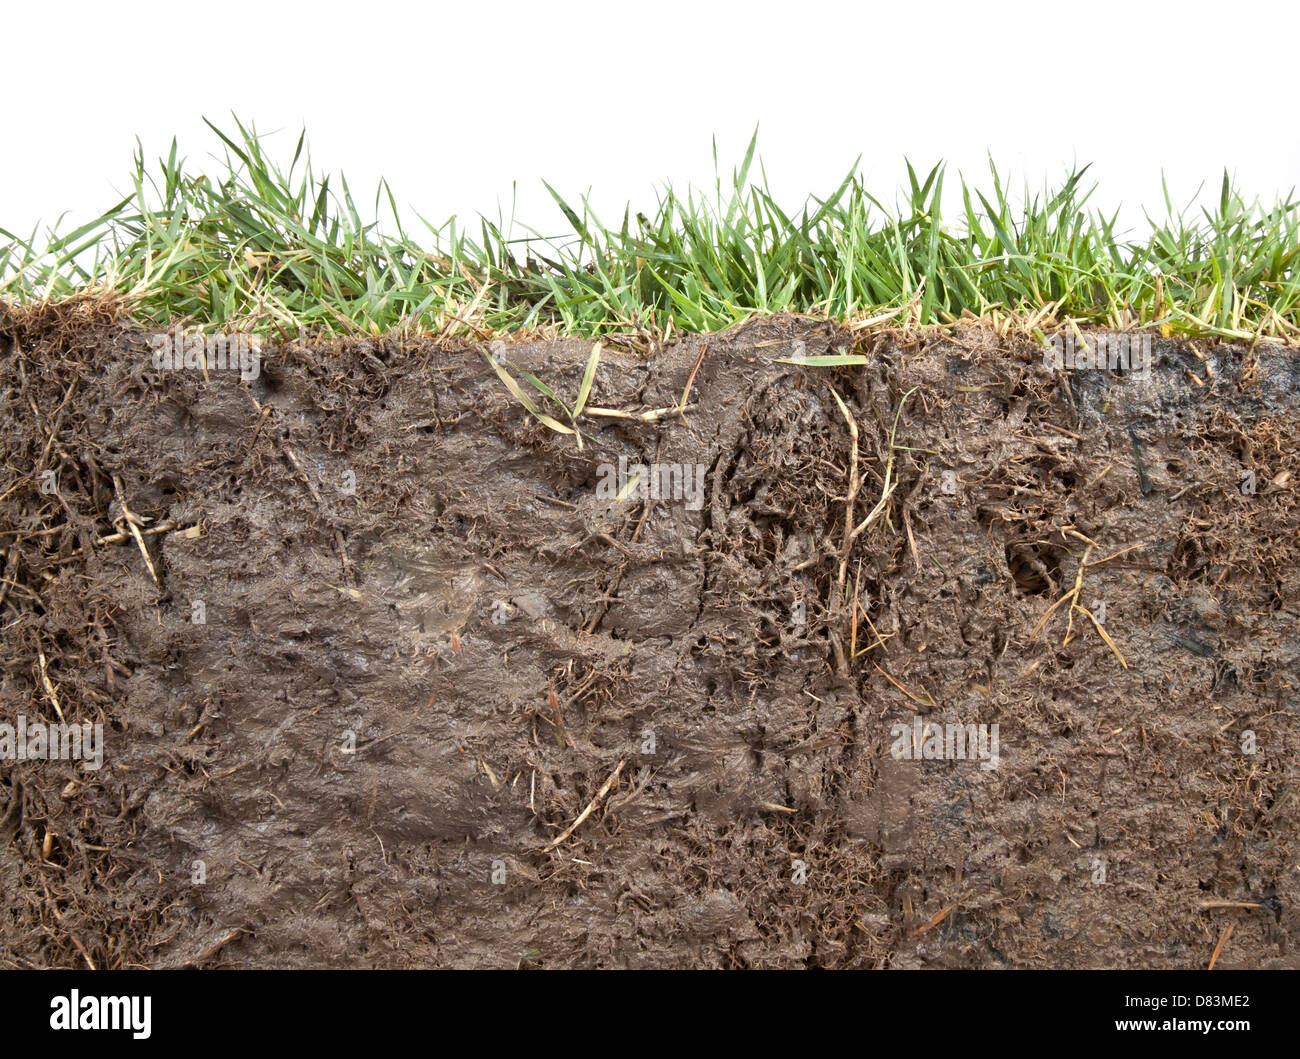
[402, 694]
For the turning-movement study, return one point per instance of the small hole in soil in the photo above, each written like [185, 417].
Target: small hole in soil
[1036, 568]
[269, 381]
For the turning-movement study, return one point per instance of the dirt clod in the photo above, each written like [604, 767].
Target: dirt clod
[366, 639]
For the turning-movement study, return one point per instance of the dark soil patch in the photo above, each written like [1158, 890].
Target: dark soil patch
[496, 642]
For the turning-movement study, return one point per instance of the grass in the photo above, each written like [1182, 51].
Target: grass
[584, 391]
[263, 246]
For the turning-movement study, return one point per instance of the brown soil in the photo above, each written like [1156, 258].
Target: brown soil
[507, 649]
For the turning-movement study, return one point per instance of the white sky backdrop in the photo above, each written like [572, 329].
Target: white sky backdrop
[454, 103]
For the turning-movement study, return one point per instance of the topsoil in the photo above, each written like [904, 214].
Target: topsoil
[391, 643]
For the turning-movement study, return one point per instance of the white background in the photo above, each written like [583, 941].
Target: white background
[454, 104]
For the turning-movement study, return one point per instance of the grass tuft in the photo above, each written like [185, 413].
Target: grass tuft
[262, 245]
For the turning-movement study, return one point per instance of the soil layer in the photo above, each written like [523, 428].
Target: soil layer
[367, 640]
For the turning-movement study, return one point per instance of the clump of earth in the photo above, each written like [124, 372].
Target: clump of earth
[392, 674]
